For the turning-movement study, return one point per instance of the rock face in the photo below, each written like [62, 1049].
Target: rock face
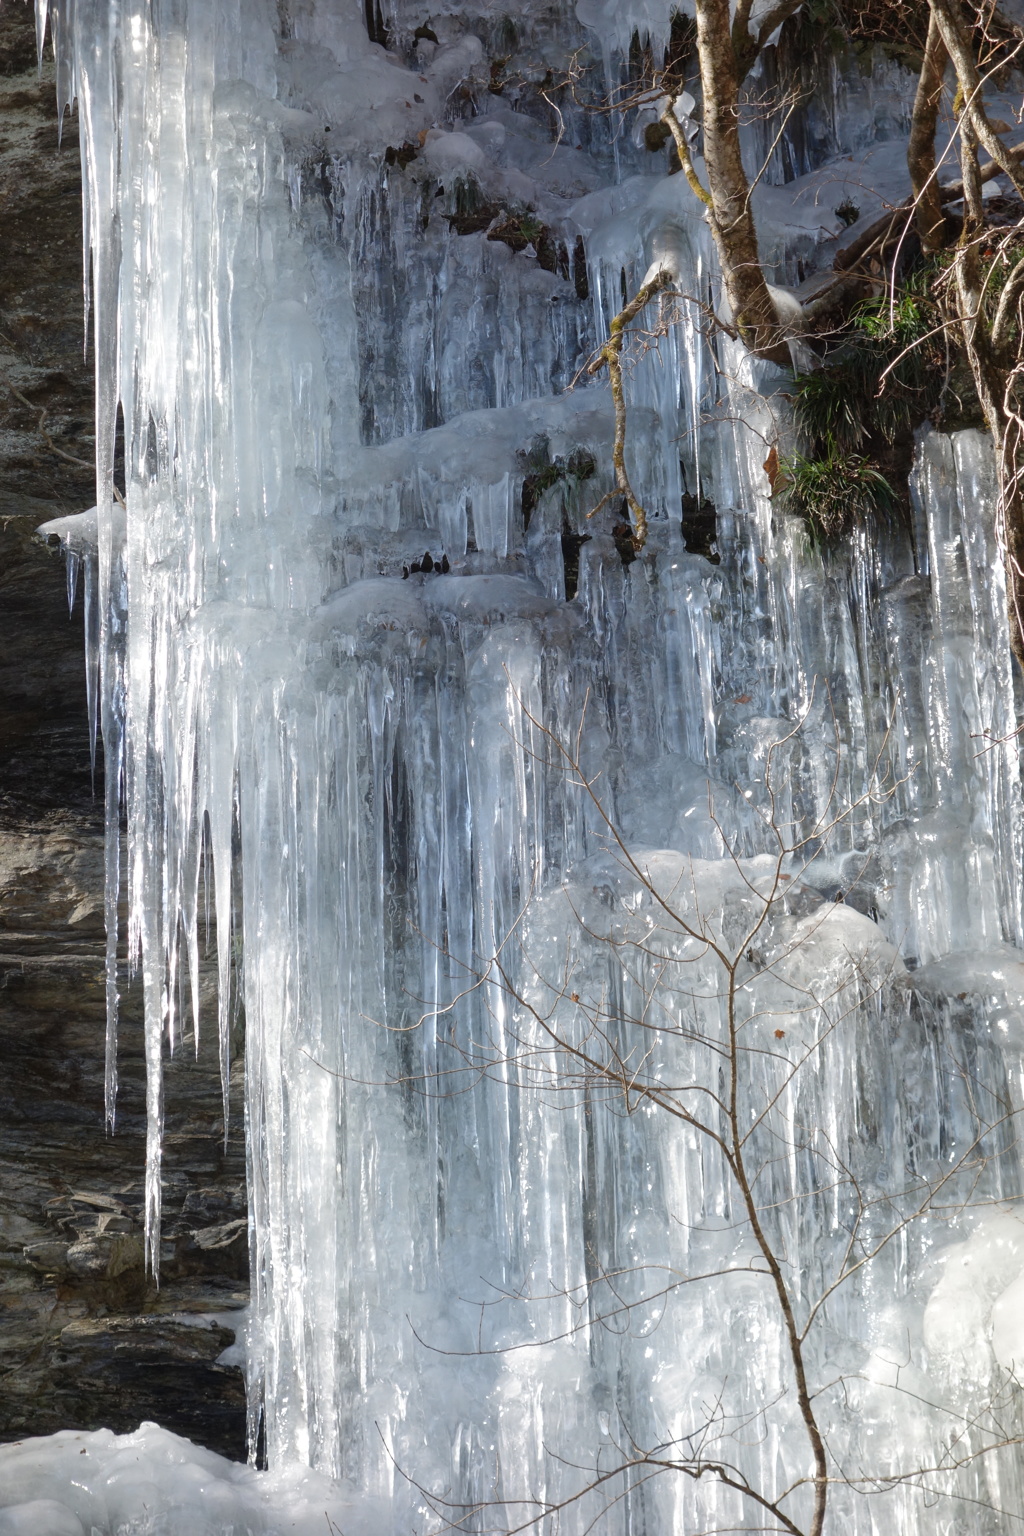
[86, 1338]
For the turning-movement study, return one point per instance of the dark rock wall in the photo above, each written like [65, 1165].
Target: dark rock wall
[86, 1339]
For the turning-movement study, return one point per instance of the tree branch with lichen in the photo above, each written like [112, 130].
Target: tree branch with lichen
[675, 128]
[610, 357]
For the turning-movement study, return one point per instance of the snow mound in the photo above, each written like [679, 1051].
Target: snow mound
[99, 1484]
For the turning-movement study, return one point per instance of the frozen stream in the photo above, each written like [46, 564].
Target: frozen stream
[356, 646]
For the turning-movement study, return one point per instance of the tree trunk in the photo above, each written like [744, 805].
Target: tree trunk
[731, 217]
[931, 224]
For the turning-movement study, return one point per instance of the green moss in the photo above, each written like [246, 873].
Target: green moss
[656, 136]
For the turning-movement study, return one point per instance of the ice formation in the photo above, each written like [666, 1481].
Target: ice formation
[350, 619]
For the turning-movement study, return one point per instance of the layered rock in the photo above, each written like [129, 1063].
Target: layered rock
[86, 1338]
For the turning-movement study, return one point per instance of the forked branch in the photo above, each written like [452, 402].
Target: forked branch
[610, 357]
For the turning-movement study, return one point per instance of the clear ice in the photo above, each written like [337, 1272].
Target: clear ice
[472, 1260]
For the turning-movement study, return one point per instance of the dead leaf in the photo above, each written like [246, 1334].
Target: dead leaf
[773, 469]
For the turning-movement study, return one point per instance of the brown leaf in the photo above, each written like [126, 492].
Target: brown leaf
[773, 469]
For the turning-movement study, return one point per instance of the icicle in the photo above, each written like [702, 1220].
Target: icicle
[72, 565]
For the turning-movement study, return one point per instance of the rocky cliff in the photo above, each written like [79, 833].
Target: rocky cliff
[86, 1339]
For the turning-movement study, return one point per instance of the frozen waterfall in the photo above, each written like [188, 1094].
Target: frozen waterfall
[535, 871]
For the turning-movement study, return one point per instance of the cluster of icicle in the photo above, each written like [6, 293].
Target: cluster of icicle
[467, 1264]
